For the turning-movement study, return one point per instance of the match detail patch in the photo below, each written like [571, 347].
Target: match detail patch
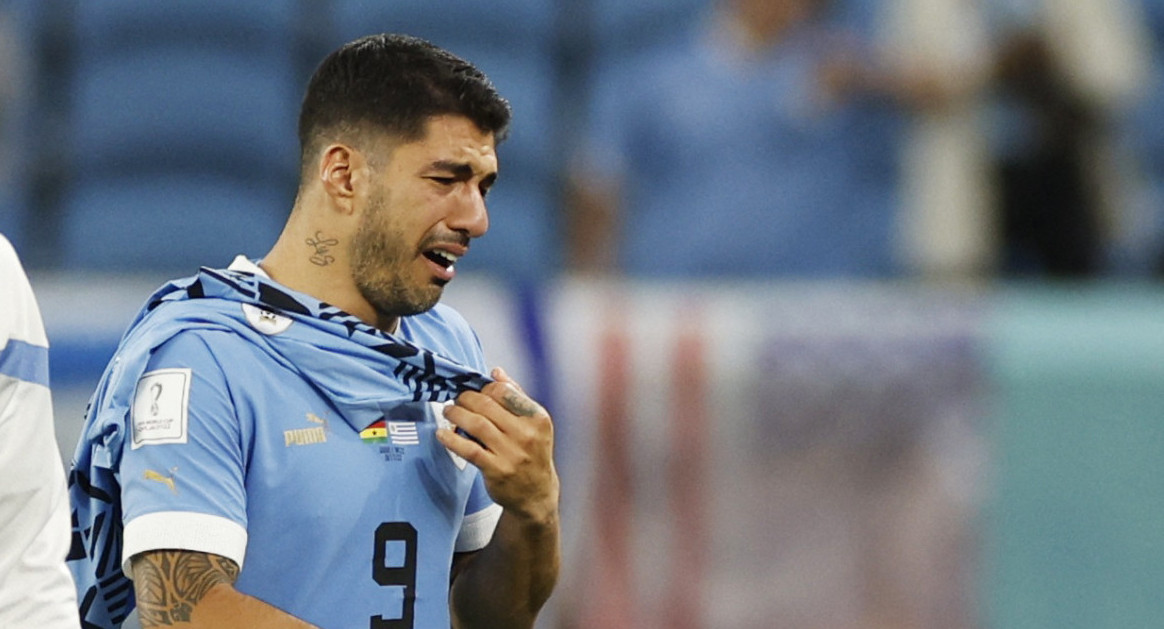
[160, 405]
[266, 321]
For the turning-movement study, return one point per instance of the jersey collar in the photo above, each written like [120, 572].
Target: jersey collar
[246, 265]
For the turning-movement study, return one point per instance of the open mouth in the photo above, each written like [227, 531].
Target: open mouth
[441, 258]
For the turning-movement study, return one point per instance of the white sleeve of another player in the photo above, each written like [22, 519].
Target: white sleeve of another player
[36, 589]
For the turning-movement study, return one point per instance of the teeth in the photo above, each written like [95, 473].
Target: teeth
[445, 255]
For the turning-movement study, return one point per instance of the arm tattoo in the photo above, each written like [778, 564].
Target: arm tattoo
[169, 583]
[519, 405]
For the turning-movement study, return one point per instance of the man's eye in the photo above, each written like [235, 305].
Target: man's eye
[444, 181]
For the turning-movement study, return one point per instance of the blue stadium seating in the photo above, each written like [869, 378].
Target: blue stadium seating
[182, 131]
[175, 109]
[168, 101]
[521, 26]
[18, 119]
[247, 26]
[169, 223]
[626, 29]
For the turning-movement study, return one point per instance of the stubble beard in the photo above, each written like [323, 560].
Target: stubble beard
[380, 259]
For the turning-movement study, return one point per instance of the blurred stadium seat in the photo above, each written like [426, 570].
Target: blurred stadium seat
[172, 222]
[182, 131]
[26, 120]
[623, 30]
[14, 106]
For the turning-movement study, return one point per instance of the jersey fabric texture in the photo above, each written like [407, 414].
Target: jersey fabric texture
[244, 419]
[35, 587]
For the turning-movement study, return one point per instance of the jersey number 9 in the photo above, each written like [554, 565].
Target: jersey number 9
[396, 575]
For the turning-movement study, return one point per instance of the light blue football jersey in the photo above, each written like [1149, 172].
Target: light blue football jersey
[339, 526]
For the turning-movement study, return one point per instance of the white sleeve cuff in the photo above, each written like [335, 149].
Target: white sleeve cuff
[477, 529]
[184, 530]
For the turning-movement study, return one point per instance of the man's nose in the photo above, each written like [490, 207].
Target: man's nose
[470, 216]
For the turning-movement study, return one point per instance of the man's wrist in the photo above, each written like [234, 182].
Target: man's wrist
[539, 517]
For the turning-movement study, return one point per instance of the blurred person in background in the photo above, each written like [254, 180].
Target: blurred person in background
[766, 146]
[35, 587]
[942, 54]
[1067, 72]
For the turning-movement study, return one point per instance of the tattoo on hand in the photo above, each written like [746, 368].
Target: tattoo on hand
[520, 405]
[169, 583]
[322, 255]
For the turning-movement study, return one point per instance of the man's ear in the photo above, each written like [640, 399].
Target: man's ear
[342, 174]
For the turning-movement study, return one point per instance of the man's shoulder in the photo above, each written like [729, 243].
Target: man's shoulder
[202, 346]
[19, 315]
[9, 261]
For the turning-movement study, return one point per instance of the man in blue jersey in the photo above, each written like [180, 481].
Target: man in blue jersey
[308, 439]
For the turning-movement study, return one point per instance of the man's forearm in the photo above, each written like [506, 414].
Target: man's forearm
[225, 606]
[191, 589]
[506, 583]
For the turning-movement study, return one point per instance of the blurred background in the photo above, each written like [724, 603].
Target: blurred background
[848, 311]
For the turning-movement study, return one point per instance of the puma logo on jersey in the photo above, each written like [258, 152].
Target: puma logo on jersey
[168, 481]
[307, 436]
[316, 419]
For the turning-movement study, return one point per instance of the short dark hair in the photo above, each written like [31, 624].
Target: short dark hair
[393, 84]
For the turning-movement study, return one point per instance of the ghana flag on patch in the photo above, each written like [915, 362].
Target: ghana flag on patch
[376, 433]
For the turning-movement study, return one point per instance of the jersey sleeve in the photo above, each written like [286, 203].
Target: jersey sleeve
[481, 516]
[183, 469]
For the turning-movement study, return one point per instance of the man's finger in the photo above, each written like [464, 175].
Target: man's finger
[466, 448]
[501, 375]
[478, 425]
[513, 399]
